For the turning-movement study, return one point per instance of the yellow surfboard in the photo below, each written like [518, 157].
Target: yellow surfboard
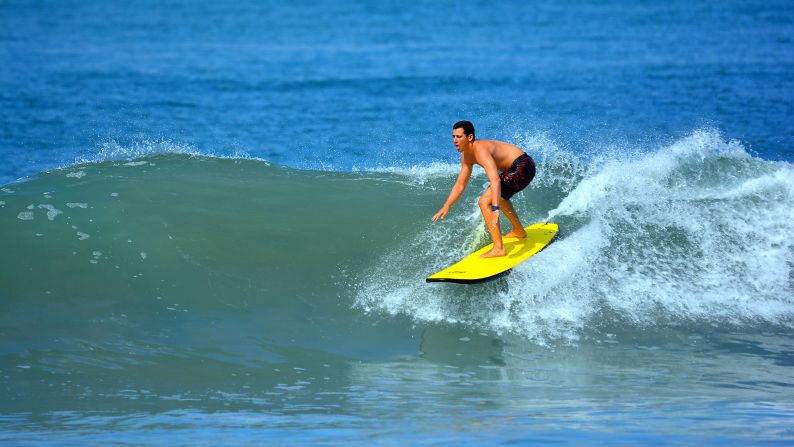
[473, 269]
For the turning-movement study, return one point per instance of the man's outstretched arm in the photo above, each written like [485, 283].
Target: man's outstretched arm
[457, 190]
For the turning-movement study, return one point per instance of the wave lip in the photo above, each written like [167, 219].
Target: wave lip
[113, 150]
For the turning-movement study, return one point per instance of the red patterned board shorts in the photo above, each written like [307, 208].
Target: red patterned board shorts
[518, 176]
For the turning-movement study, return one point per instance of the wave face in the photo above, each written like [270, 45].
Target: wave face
[171, 245]
[166, 245]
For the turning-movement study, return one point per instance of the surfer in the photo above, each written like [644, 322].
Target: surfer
[509, 170]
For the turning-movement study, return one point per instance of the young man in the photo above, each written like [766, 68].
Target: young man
[517, 170]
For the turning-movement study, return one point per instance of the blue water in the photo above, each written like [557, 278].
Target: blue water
[343, 84]
[215, 222]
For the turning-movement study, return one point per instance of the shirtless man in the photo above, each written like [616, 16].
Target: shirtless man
[517, 170]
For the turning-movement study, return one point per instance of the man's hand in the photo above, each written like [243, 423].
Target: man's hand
[442, 213]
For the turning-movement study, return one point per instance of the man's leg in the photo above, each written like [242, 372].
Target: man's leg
[510, 213]
[492, 224]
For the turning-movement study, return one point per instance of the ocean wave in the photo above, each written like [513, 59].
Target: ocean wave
[693, 233]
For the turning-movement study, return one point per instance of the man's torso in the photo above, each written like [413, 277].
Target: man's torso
[503, 154]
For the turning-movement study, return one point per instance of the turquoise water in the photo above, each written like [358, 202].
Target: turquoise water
[216, 224]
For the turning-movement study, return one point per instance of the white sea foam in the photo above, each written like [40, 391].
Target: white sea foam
[52, 212]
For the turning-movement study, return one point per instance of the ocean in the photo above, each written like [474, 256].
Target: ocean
[215, 223]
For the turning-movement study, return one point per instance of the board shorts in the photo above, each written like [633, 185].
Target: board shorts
[521, 172]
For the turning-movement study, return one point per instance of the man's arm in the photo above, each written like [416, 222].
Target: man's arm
[457, 189]
[485, 159]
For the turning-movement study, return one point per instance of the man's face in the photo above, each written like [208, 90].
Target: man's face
[460, 139]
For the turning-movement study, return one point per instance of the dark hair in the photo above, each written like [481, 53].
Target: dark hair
[467, 126]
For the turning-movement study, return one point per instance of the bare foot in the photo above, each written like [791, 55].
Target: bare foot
[494, 253]
[521, 234]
